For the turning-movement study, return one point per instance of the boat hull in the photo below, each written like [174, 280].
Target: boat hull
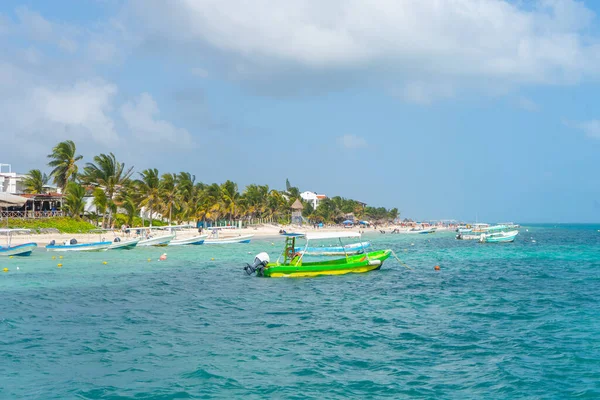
[124, 244]
[196, 240]
[504, 237]
[19, 250]
[355, 264]
[351, 249]
[156, 241]
[99, 246]
[233, 240]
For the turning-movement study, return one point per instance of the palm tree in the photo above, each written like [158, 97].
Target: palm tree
[168, 194]
[230, 196]
[35, 181]
[101, 203]
[64, 163]
[110, 175]
[74, 204]
[148, 188]
[126, 200]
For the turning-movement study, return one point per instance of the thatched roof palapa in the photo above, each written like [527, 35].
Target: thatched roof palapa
[297, 205]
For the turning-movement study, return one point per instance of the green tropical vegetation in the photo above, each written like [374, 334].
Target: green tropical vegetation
[35, 182]
[64, 160]
[119, 195]
[62, 224]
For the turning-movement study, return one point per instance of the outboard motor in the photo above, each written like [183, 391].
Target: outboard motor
[73, 241]
[52, 243]
[117, 239]
[260, 262]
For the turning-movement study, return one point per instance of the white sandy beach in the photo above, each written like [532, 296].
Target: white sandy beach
[260, 232]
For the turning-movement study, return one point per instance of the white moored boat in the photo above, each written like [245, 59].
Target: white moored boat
[156, 240]
[214, 237]
[18, 250]
[194, 240]
[73, 245]
[127, 244]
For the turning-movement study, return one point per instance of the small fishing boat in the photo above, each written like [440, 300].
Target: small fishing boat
[118, 243]
[422, 231]
[194, 240]
[124, 244]
[293, 266]
[291, 234]
[214, 238]
[467, 236]
[149, 239]
[18, 250]
[350, 249]
[156, 240]
[498, 234]
[73, 245]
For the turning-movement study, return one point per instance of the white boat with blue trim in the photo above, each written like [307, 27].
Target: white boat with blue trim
[214, 238]
[499, 234]
[73, 245]
[18, 250]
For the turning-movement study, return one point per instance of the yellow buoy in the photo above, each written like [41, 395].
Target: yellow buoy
[5, 270]
[104, 262]
[59, 265]
[54, 257]
[149, 259]
[212, 259]
[60, 257]
[10, 257]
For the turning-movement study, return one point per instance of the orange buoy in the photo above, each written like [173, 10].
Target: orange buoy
[437, 267]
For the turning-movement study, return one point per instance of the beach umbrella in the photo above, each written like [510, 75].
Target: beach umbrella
[347, 222]
[10, 200]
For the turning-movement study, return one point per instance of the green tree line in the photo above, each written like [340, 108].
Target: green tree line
[176, 197]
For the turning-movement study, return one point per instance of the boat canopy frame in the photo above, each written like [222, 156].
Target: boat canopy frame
[290, 244]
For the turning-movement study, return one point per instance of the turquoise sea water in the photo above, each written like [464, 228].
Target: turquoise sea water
[517, 320]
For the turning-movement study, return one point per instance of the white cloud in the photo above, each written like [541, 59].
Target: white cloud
[527, 104]
[84, 106]
[199, 72]
[67, 45]
[352, 141]
[463, 43]
[424, 92]
[590, 128]
[34, 24]
[102, 51]
[140, 117]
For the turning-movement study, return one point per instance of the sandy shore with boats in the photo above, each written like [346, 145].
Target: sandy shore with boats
[259, 232]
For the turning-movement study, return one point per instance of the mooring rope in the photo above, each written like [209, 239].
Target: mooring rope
[400, 261]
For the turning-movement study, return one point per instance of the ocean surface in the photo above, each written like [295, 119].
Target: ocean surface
[501, 321]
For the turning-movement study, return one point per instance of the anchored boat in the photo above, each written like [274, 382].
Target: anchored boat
[194, 240]
[293, 264]
[118, 243]
[18, 250]
[499, 234]
[156, 240]
[73, 245]
[215, 239]
[124, 244]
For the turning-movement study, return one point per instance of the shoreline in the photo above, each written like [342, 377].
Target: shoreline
[263, 232]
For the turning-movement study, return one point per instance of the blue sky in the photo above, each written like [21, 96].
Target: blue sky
[447, 109]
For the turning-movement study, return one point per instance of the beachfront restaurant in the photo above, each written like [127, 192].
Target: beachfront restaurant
[37, 206]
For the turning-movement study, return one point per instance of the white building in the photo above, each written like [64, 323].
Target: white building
[10, 182]
[313, 198]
